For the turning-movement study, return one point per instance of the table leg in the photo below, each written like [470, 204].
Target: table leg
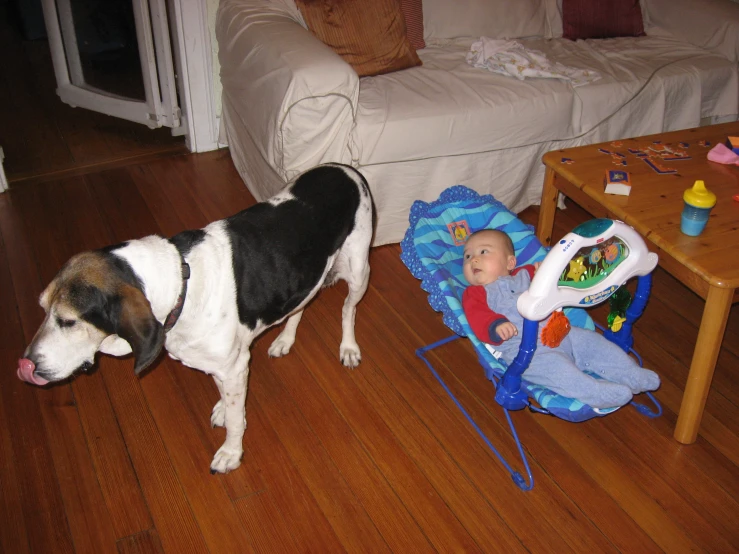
[707, 347]
[549, 195]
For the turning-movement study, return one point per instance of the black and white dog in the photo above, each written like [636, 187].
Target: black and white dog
[205, 295]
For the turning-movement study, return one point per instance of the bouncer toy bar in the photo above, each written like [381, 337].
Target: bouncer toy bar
[586, 267]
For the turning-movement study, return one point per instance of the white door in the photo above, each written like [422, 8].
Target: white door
[91, 40]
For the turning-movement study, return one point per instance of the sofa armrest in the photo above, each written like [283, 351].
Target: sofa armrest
[294, 95]
[709, 24]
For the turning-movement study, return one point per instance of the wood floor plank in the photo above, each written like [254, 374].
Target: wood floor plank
[308, 525]
[706, 457]
[371, 489]
[146, 542]
[345, 512]
[122, 208]
[13, 531]
[267, 528]
[607, 471]
[41, 500]
[171, 205]
[114, 470]
[436, 519]
[717, 421]
[218, 189]
[87, 514]
[676, 476]
[681, 335]
[168, 504]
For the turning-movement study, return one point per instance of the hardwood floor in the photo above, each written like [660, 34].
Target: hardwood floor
[377, 459]
[43, 138]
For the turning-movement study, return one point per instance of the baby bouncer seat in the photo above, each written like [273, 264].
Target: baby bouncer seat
[584, 269]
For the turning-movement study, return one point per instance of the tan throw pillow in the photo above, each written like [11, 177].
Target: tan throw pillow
[369, 35]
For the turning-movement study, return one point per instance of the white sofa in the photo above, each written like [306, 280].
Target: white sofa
[290, 102]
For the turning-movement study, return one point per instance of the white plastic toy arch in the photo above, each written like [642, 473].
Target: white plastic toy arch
[547, 294]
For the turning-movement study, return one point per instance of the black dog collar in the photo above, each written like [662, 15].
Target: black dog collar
[174, 315]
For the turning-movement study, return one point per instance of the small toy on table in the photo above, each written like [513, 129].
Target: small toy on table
[617, 182]
[733, 144]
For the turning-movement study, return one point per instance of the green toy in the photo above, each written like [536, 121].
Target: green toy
[619, 301]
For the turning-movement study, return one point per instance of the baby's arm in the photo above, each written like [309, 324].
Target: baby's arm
[484, 321]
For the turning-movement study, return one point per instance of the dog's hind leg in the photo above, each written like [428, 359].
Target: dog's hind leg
[357, 278]
[285, 340]
[233, 400]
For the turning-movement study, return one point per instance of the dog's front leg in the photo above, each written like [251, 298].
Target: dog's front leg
[218, 414]
[286, 338]
[233, 402]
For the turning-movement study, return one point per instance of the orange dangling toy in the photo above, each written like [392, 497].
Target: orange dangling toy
[555, 330]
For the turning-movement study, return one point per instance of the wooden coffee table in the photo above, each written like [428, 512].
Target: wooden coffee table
[707, 264]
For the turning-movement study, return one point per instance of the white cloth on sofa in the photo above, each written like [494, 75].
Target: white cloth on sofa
[510, 57]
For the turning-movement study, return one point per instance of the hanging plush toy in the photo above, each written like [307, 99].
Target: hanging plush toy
[555, 330]
[619, 301]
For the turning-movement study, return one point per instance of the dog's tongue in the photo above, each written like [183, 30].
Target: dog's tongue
[25, 372]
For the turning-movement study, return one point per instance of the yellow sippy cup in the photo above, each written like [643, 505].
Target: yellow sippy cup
[698, 203]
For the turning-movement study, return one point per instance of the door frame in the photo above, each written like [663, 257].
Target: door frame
[193, 68]
[193, 59]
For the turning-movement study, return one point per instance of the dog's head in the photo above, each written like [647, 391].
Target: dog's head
[93, 302]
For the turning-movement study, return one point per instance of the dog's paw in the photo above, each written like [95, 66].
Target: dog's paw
[280, 347]
[350, 355]
[218, 415]
[226, 459]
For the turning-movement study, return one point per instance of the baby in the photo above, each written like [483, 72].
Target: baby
[490, 306]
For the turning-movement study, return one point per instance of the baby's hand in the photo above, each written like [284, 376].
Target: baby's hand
[536, 266]
[506, 330]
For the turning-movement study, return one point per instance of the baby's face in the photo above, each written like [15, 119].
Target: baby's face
[486, 257]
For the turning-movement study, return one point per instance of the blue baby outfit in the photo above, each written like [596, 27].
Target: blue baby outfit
[562, 369]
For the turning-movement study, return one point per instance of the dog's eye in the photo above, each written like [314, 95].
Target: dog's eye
[65, 322]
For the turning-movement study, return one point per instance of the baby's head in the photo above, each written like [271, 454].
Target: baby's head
[488, 254]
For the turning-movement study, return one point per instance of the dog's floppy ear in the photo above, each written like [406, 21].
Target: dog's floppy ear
[138, 326]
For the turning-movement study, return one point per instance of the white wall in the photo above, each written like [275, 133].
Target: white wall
[217, 89]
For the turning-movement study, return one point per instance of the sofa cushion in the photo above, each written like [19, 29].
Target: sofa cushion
[369, 36]
[583, 19]
[447, 19]
[448, 108]
[413, 14]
